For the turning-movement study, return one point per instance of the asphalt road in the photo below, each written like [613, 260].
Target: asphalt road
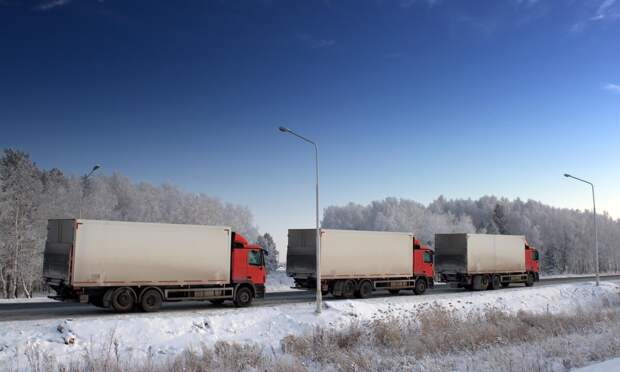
[51, 310]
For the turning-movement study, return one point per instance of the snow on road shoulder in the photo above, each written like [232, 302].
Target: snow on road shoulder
[606, 366]
[167, 334]
[25, 300]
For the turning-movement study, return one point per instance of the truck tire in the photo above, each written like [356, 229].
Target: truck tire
[365, 289]
[348, 291]
[495, 283]
[530, 280]
[123, 299]
[151, 300]
[243, 297]
[394, 291]
[480, 282]
[420, 286]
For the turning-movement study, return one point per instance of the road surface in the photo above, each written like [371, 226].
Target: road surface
[51, 310]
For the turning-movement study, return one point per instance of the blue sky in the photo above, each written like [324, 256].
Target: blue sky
[406, 98]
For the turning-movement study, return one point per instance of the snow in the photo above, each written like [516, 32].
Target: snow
[278, 281]
[25, 300]
[562, 276]
[170, 333]
[606, 366]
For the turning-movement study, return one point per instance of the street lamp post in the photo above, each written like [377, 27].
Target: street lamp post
[85, 179]
[595, 228]
[319, 288]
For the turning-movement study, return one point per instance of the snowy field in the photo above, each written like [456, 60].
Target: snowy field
[170, 333]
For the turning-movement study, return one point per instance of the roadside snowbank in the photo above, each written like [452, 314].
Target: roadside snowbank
[277, 281]
[25, 300]
[606, 366]
[163, 335]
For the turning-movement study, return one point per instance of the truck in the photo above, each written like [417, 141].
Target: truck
[356, 263]
[127, 265]
[484, 261]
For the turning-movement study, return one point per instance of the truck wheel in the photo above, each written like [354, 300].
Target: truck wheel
[348, 291]
[365, 289]
[420, 286]
[495, 282]
[243, 297]
[480, 282]
[394, 291]
[151, 300]
[123, 300]
[530, 280]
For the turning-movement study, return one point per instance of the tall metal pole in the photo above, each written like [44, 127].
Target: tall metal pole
[595, 227]
[86, 179]
[319, 294]
[595, 235]
[319, 287]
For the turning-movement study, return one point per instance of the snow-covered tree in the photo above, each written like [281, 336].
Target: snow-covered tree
[267, 243]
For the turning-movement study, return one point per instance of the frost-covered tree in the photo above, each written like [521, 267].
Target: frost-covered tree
[19, 201]
[267, 243]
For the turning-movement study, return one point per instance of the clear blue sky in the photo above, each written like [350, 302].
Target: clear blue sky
[406, 98]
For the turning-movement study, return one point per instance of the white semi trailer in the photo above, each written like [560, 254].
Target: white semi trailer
[355, 263]
[121, 264]
[485, 261]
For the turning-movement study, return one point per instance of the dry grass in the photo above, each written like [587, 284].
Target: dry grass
[436, 339]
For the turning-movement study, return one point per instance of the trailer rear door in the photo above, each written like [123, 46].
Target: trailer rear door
[57, 254]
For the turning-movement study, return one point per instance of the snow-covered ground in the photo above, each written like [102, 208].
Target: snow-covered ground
[167, 334]
[560, 276]
[606, 366]
[25, 300]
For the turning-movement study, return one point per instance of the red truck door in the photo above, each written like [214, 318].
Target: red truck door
[531, 259]
[248, 265]
[423, 262]
[256, 265]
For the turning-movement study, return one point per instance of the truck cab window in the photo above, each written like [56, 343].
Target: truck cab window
[254, 258]
[535, 255]
[428, 258]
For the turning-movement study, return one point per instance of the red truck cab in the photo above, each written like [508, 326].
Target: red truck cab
[248, 265]
[423, 268]
[422, 260]
[532, 261]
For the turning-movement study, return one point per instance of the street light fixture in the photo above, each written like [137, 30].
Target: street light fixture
[319, 288]
[595, 228]
[95, 168]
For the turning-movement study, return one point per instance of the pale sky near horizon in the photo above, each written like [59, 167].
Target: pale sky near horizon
[411, 99]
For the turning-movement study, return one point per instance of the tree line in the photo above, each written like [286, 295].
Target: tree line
[29, 196]
[564, 237]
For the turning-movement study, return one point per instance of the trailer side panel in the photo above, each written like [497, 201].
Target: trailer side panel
[351, 254]
[112, 253]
